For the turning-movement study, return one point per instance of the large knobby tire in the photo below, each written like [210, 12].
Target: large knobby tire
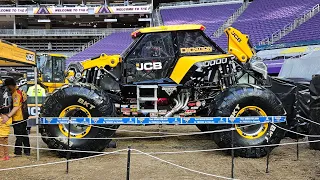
[77, 100]
[247, 100]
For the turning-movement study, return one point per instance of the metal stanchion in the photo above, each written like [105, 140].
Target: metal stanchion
[268, 152]
[37, 110]
[232, 151]
[297, 145]
[268, 156]
[128, 163]
[68, 153]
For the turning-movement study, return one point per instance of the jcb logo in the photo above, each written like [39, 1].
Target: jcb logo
[149, 66]
[29, 57]
[236, 36]
[22, 82]
[86, 103]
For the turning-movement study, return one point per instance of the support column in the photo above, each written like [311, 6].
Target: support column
[37, 110]
[14, 24]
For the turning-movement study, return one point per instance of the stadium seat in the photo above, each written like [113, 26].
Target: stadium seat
[212, 16]
[308, 31]
[112, 44]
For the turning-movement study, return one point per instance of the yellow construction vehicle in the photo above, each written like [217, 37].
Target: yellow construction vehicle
[51, 70]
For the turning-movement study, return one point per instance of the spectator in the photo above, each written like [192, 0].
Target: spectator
[4, 133]
[17, 114]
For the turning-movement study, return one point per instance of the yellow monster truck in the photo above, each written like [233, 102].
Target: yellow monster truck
[168, 71]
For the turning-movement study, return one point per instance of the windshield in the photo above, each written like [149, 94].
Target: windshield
[41, 60]
[124, 53]
[51, 68]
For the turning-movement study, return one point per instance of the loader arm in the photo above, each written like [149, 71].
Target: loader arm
[239, 45]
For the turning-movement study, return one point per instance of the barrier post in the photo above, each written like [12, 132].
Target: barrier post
[128, 163]
[232, 151]
[68, 153]
[297, 145]
[268, 151]
[268, 156]
[37, 110]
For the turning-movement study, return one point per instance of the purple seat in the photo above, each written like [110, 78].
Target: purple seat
[112, 44]
[212, 16]
[264, 17]
[308, 31]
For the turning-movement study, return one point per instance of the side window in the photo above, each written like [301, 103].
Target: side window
[47, 70]
[58, 72]
[193, 43]
[153, 45]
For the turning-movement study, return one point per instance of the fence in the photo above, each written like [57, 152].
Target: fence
[133, 151]
[61, 32]
[200, 2]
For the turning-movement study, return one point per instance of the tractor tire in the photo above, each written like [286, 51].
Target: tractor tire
[77, 100]
[247, 100]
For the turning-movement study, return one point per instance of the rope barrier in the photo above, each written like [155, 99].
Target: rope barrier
[50, 149]
[59, 162]
[185, 168]
[288, 130]
[137, 137]
[178, 152]
[18, 122]
[235, 148]
[305, 119]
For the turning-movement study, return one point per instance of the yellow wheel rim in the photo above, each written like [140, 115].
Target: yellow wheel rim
[262, 128]
[83, 130]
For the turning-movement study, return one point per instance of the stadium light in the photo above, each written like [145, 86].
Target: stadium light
[110, 20]
[44, 20]
[144, 19]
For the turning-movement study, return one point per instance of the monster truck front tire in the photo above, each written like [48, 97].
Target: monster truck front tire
[78, 100]
[247, 100]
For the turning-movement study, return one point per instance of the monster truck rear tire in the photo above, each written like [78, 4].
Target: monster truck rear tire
[247, 100]
[78, 100]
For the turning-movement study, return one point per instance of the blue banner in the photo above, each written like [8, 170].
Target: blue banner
[163, 120]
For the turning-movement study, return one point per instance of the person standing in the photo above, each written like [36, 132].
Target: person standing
[18, 119]
[4, 136]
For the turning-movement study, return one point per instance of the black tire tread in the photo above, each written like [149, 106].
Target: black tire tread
[104, 105]
[220, 107]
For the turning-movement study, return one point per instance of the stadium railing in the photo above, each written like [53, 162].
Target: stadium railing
[62, 32]
[196, 2]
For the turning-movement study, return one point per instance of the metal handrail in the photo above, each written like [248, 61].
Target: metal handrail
[62, 32]
[276, 36]
[192, 2]
[156, 18]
